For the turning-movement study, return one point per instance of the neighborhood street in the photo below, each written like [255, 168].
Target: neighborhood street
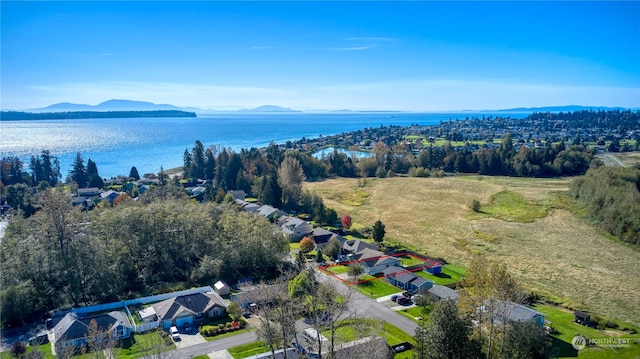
[360, 304]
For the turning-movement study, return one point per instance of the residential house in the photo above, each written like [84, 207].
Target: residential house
[512, 312]
[440, 292]
[89, 192]
[269, 212]
[294, 228]
[110, 195]
[432, 267]
[238, 194]
[374, 261]
[321, 237]
[412, 283]
[189, 309]
[356, 246]
[73, 330]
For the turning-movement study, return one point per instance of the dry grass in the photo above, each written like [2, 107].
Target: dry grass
[629, 158]
[557, 254]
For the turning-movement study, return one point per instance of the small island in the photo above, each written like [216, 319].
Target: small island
[19, 115]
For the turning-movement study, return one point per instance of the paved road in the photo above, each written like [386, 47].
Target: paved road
[208, 347]
[366, 307]
[611, 160]
[360, 304]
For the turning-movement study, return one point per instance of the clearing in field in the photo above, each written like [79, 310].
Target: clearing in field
[556, 254]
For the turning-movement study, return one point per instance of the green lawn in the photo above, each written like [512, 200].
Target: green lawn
[392, 334]
[247, 350]
[377, 288]
[450, 274]
[408, 261]
[414, 313]
[339, 269]
[562, 321]
[512, 207]
[144, 343]
[295, 245]
[44, 349]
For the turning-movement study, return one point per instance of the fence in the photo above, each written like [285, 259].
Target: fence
[124, 306]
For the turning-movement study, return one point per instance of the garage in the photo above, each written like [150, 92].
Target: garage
[182, 321]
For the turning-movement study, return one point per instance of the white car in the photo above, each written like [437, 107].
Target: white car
[174, 333]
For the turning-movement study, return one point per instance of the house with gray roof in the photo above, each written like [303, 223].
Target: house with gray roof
[270, 212]
[73, 330]
[189, 309]
[295, 228]
[512, 312]
[374, 261]
[440, 292]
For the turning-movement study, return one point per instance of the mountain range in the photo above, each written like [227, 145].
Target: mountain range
[129, 105]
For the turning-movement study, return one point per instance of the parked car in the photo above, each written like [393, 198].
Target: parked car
[394, 297]
[406, 294]
[403, 300]
[175, 335]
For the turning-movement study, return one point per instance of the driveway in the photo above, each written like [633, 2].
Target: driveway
[189, 339]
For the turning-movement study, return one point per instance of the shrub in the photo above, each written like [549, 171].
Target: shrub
[475, 205]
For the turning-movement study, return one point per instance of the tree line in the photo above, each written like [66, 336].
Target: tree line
[61, 257]
[611, 198]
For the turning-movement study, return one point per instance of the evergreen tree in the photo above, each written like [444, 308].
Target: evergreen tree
[378, 231]
[78, 174]
[133, 173]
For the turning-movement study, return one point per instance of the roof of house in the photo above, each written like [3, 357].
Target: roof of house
[187, 304]
[250, 207]
[220, 284]
[428, 263]
[419, 281]
[109, 193]
[268, 211]
[405, 277]
[443, 292]
[72, 326]
[321, 235]
[393, 271]
[515, 312]
[238, 194]
[357, 246]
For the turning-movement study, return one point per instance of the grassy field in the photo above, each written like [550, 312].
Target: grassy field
[556, 254]
[338, 269]
[562, 321]
[629, 158]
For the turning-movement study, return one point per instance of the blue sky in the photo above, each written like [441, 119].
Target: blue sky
[414, 56]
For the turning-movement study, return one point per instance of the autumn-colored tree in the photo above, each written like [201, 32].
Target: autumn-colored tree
[346, 222]
[307, 245]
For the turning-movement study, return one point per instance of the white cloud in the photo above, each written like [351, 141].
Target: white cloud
[353, 48]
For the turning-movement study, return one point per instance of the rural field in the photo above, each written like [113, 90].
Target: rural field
[522, 222]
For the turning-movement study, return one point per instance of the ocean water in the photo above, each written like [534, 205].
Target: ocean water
[116, 145]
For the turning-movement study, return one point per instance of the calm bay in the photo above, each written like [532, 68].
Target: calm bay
[148, 143]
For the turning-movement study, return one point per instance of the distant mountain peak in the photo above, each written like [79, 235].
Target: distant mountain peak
[109, 105]
[268, 108]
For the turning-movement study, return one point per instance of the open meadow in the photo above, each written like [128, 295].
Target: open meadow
[522, 222]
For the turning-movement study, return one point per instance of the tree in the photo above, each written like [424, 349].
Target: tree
[475, 205]
[290, 177]
[355, 271]
[307, 245]
[18, 349]
[333, 248]
[234, 310]
[447, 333]
[133, 173]
[346, 222]
[525, 340]
[378, 231]
[79, 173]
[319, 257]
